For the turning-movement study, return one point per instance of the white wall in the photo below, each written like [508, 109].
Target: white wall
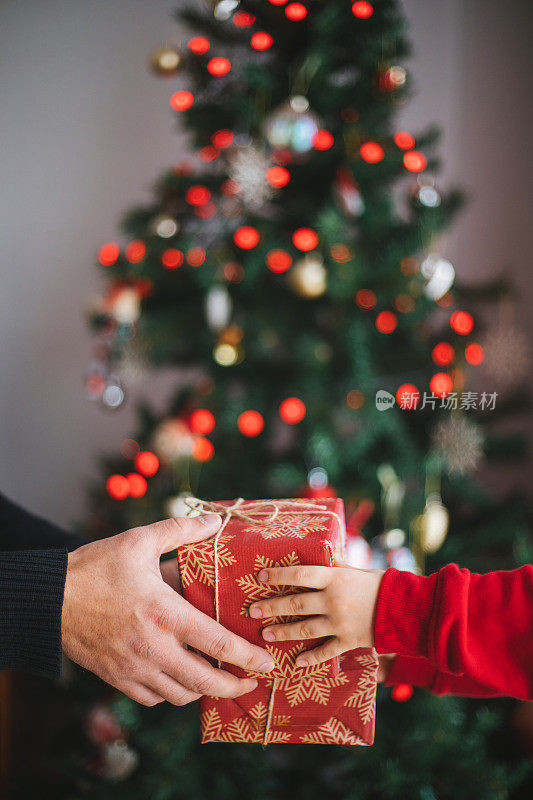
[85, 129]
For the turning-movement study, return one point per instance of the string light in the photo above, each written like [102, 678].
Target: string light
[323, 140]
[202, 449]
[218, 66]
[250, 423]
[246, 237]
[225, 354]
[146, 463]
[295, 12]
[222, 138]
[278, 260]
[197, 195]
[474, 353]
[292, 410]
[172, 258]
[462, 322]
[365, 298]
[404, 140]
[182, 100]
[408, 396]
[386, 321]
[135, 251]
[278, 176]
[118, 487]
[199, 45]
[372, 152]
[305, 239]
[261, 41]
[137, 484]
[443, 354]
[414, 161]
[108, 254]
[195, 256]
[362, 10]
[441, 384]
[202, 421]
[402, 692]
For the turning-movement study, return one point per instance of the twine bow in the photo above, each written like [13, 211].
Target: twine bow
[253, 512]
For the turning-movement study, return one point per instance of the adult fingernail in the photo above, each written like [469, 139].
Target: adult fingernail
[263, 575]
[302, 662]
[253, 685]
[210, 520]
[255, 612]
[268, 666]
[269, 636]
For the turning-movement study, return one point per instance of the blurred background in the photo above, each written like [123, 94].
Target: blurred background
[85, 130]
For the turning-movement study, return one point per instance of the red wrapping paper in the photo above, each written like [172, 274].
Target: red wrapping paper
[331, 703]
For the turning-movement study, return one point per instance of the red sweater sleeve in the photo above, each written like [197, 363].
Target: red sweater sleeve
[474, 630]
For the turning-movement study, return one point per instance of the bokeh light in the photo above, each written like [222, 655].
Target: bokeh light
[474, 353]
[278, 260]
[202, 449]
[182, 100]
[292, 410]
[402, 692]
[296, 12]
[172, 258]
[414, 161]
[462, 322]
[278, 176]
[108, 254]
[323, 140]
[197, 195]
[199, 45]
[404, 140]
[261, 41]
[222, 138]
[365, 298]
[147, 463]
[135, 251]
[218, 66]
[408, 396]
[305, 239]
[386, 321]
[441, 384]
[195, 256]
[137, 484]
[118, 487]
[246, 237]
[250, 423]
[362, 9]
[443, 354]
[202, 421]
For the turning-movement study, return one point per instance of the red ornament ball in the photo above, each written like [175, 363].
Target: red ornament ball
[278, 176]
[202, 421]
[362, 10]
[323, 140]
[197, 195]
[305, 239]
[365, 298]
[202, 449]
[246, 237]
[118, 487]
[372, 152]
[222, 138]
[292, 410]
[261, 41]
[408, 396]
[441, 384]
[137, 484]
[296, 12]
[135, 251]
[386, 321]
[443, 354]
[172, 258]
[462, 322]
[404, 140]
[218, 66]
[278, 260]
[199, 45]
[414, 161]
[474, 353]
[402, 692]
[250, 423]
[181, 101]
[108, 254]
[146, 463]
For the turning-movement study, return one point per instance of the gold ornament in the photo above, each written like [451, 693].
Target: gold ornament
[165, 61]
[432, 525]
[308, 277]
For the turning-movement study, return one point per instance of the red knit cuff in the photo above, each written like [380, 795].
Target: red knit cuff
[416, 671]
[403, 613]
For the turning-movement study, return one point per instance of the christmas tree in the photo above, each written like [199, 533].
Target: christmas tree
[290, 271]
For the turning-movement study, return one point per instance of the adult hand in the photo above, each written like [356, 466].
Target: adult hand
[123, 622]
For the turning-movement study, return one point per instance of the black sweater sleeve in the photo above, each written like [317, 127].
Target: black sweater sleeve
[33, 565]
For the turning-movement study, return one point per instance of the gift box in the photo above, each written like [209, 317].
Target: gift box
[330, 703]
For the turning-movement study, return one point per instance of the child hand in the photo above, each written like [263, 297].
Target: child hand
[342, 608]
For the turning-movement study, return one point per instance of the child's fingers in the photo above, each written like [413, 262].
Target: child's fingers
[311, 577]
[289, 605]
[311, 628]
[323, 652]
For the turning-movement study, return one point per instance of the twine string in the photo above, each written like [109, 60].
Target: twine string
[255, 513]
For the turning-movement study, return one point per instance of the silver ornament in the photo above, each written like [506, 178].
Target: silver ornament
[247, 167]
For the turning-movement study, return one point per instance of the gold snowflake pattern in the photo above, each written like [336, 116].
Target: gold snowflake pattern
[197, 564]
[332, 732]
[292, 526]
[255, 590]
[364, 698]
[250, 728]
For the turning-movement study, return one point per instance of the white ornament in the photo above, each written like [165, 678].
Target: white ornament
[120, 761]
[247, 167]
[218, 307]
[177, 507]
[440, 275]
